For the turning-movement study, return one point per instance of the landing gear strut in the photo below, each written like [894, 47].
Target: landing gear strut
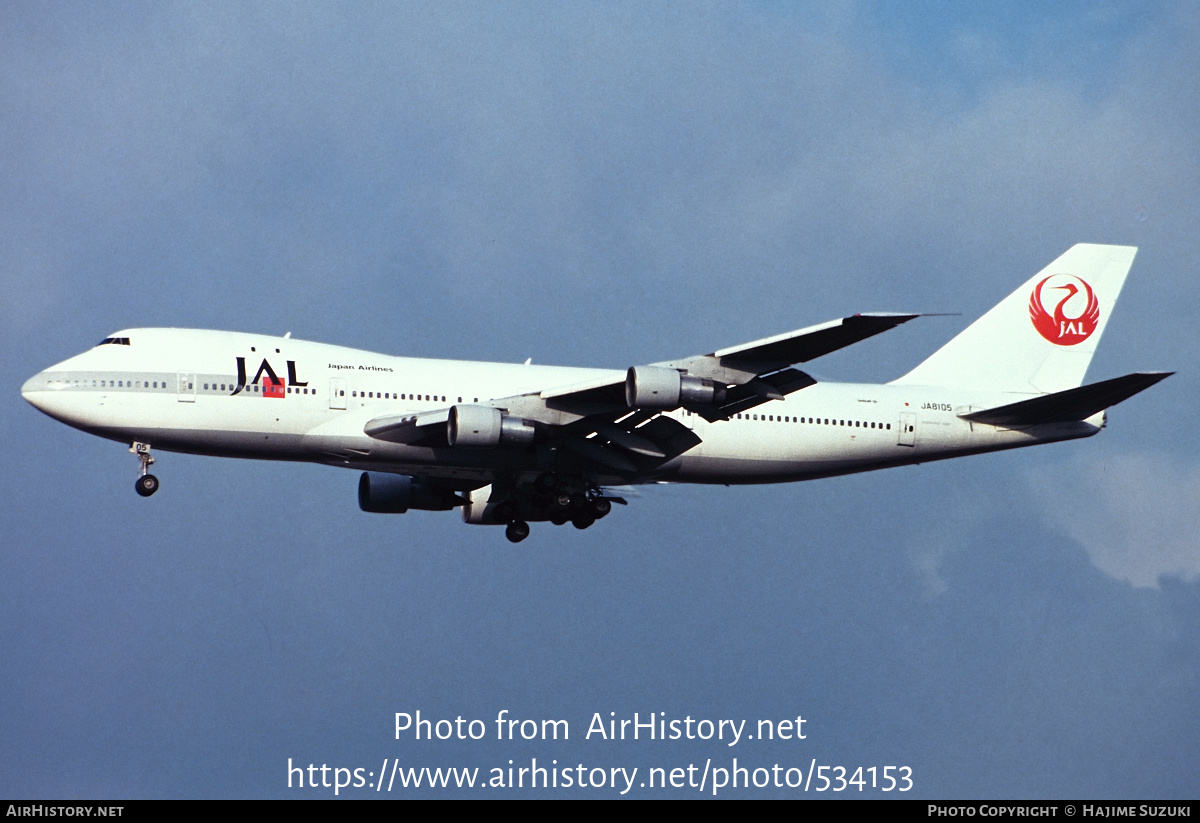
[508, 512]
[147, 484]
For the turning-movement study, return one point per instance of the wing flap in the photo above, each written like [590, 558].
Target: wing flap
[671, 436]
[629, 441]
[1068, 405]
[594, 450]
[632, 452]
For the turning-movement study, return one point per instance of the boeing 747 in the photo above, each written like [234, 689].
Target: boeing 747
[511, 443]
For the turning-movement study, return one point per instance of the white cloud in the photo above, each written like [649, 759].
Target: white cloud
[1137, 516]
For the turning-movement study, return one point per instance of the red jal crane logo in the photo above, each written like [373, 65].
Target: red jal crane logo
[1074, 316]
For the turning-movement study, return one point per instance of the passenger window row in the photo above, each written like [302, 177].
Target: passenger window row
[253, 387]
[377, 395]
[119, 384]
[816, 421]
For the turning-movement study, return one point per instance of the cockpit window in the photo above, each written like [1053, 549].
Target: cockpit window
[114, 341]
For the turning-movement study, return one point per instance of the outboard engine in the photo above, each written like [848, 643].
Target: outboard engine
[657, 387]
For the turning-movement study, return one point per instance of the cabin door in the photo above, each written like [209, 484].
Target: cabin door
[337, 392]
[187, 388]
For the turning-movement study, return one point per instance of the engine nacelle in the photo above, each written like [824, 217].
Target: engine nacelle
[485, 426]
[480, 508]
[657, 387]
[397, 493]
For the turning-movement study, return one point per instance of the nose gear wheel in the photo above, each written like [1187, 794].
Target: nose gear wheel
[146, 484]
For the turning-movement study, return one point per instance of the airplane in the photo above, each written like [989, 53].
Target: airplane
[514, 443]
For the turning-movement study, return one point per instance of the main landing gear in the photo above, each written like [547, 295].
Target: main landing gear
[572, 502]
[554, 497]
[580, 510]
[147, 484]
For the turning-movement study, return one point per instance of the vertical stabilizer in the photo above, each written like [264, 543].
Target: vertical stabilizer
[1041, 337]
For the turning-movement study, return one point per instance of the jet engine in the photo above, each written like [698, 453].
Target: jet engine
[480, 508]
[485, 426]
[656, 387]
[397, 493]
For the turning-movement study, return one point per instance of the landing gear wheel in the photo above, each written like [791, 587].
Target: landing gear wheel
[583, 521]
[559, 518]
[562, 501]
[146, 485]
[601, 506]
[517, 531]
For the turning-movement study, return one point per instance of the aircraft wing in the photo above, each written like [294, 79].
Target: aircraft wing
[739, 363]
[615, 421]
[744, 376]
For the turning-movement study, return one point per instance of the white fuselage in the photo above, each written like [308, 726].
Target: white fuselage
[246, 395]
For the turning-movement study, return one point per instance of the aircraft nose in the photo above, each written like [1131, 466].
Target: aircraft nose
[32, 385]
[48, 392]
[43, 390]
[33, 389]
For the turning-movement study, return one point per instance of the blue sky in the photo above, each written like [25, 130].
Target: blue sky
[598, 185]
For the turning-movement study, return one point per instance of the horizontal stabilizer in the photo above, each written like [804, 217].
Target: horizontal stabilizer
[1069, 405]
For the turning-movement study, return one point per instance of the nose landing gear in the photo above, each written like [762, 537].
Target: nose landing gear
[146, 484]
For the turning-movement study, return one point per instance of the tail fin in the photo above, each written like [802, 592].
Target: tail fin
[1040, 338]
